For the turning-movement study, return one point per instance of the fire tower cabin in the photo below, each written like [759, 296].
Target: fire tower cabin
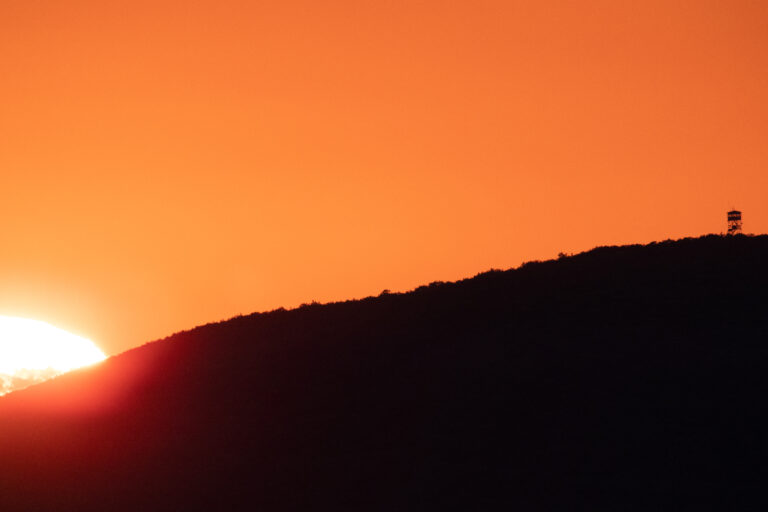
[734, 222]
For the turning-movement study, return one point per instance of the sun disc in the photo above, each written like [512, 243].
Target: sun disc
[32, 351]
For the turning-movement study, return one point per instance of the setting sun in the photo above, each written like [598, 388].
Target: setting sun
[32, 351]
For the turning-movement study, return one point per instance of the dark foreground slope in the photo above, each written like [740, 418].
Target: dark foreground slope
[623, 378]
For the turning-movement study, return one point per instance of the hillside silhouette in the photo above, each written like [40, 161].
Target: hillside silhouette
[623, 378]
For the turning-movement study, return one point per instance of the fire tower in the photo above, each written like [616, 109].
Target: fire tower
[734, 222]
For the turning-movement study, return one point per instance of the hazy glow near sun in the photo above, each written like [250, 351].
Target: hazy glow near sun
[32, 351]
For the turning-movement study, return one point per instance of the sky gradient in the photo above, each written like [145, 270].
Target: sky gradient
[169, 163]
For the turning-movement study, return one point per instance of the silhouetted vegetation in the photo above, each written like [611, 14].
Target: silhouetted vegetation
[623, 378]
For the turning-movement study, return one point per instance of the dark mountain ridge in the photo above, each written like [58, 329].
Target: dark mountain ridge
[621, 378]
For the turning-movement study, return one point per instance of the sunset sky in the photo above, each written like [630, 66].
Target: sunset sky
[165, 164]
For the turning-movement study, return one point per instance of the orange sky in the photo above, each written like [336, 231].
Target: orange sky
[168, 163]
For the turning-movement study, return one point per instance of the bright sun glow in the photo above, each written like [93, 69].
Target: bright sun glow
[32, 351]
